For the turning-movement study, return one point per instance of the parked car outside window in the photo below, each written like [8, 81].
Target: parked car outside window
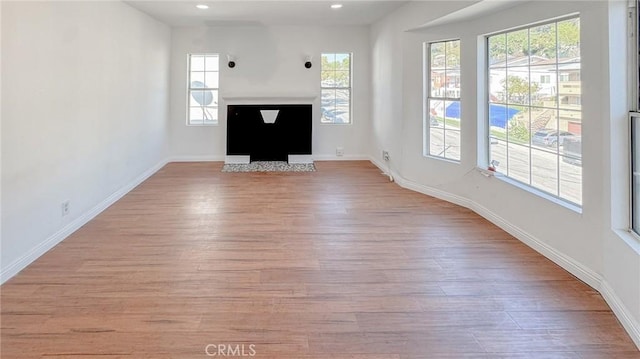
[550, 137]
[572, 150]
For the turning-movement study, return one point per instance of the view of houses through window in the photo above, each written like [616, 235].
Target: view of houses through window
[442, 120]
[534, 109]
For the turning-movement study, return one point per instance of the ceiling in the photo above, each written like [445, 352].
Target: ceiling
[240, 12]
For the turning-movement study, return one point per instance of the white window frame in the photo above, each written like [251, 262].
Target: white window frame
[343, 88]
[427, 126]
[215, 90]
[634, 113]
[634, 123]
[554, 197]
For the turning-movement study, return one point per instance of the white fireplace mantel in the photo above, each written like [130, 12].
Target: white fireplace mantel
[269, 100]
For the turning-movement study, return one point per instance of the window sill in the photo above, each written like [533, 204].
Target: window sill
[443, 159]
[630, 238]
[568, 205]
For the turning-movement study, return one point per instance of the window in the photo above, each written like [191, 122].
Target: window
[635, 172]
[535, 125]
[636, 51]
[335, 88]
[634, 86]
[203, 89]
[442, 117]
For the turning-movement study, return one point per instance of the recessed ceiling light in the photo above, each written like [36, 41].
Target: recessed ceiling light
[202, 6]
[336, 6]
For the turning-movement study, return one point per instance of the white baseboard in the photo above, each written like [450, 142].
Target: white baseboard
[388, 171]
[434, 192]
[574, 267]
[340, 158]
[622, 313]
[585, 274]
[244, 159]
[19, 264]
[199, 158]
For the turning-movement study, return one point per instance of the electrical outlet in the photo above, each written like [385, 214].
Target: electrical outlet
[66, 207]
[385, 155]
[339, 151]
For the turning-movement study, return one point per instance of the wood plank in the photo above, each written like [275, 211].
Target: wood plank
[337, 263]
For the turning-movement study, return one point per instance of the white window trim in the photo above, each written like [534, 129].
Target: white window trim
[633, 27]
[487, 139]
[540, 193]
[189, 89]
[350, 89]
[426, 111]
[633, 117]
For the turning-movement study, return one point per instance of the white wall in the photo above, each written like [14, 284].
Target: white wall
[621, 253]
[387, 72]
[588, 244]
[270, 63]
[85, 108]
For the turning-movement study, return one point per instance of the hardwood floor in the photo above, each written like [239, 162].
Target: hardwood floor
[339, 264]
